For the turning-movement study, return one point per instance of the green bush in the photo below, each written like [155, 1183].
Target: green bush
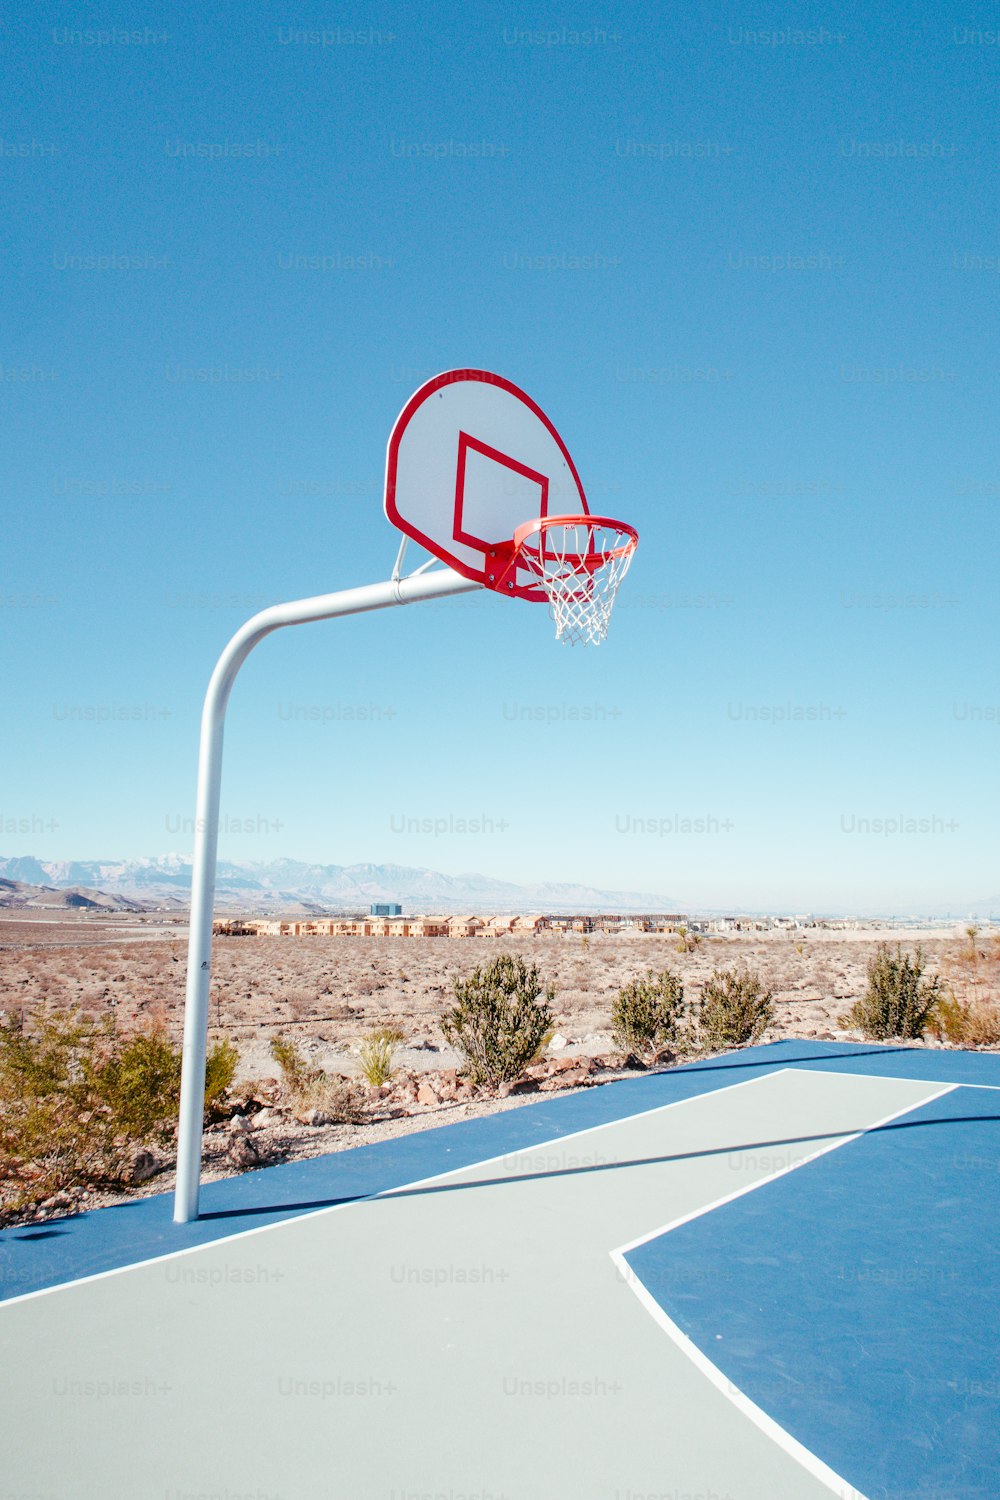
[55, 1130]
[220, 1069]
[500, 1016]
[295, 1070]
[77, 1101]
[140, 1083]
[648, 1013]
[898, 1002]
[734, 1011]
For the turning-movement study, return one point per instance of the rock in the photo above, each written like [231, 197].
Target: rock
[562, 1076]
[518, 1086]
[144, 1166]
[445, 1083]
[558, 1042]
[570, 1064]
[239, 1125]
[242, 1152]
[427, 1094]
[633, 1063]
[263, 1118]
[57, 1201]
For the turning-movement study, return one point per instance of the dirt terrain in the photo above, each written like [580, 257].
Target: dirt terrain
[324, 993]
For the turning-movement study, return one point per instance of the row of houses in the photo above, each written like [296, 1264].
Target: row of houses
[447, 927]
[529, 926]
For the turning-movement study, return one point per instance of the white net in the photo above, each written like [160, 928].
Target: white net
[580, 562]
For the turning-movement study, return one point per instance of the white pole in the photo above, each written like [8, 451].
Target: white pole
[206, 838]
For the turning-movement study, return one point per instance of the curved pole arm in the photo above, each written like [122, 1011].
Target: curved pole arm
[411, 590]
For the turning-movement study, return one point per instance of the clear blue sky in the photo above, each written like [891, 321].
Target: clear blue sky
[780, 364]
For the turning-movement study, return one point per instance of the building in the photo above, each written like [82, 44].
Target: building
[497, 927]
[465, 926]
[739, 924]
[533, 926]
[386, 909]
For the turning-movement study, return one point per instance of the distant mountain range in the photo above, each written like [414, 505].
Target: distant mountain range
[23, 894]
[288, 885]
[283, 884]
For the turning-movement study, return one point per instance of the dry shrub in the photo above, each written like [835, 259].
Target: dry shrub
[313, 1095]
[376, 1051]
[966, 1023]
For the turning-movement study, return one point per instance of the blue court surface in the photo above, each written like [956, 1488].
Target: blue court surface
[769, 1276]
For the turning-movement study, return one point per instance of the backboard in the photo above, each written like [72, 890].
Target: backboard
[470, 459]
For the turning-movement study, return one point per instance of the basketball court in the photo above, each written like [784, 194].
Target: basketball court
[770, 1276]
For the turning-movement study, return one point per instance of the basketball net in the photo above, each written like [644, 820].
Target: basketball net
[580, 562]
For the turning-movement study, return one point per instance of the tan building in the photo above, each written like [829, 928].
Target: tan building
[531, 926]
[465, 926]
[474, 926]
[499, 926]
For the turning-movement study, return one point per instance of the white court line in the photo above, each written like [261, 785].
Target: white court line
[778, 1435]
[895, 1078]
[522, 1151]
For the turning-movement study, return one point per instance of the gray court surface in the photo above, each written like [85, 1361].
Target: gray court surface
[467, 1338]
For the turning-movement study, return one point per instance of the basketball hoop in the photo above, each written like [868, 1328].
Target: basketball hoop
[579, 562]
[468, 456]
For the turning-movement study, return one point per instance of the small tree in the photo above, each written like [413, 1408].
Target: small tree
[898, 1002]
[649, 1012]
[500, 1015]
[735, 1010]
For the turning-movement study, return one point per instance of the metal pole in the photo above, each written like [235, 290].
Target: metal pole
[323, 607]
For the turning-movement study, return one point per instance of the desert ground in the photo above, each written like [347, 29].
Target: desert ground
[324, 993]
